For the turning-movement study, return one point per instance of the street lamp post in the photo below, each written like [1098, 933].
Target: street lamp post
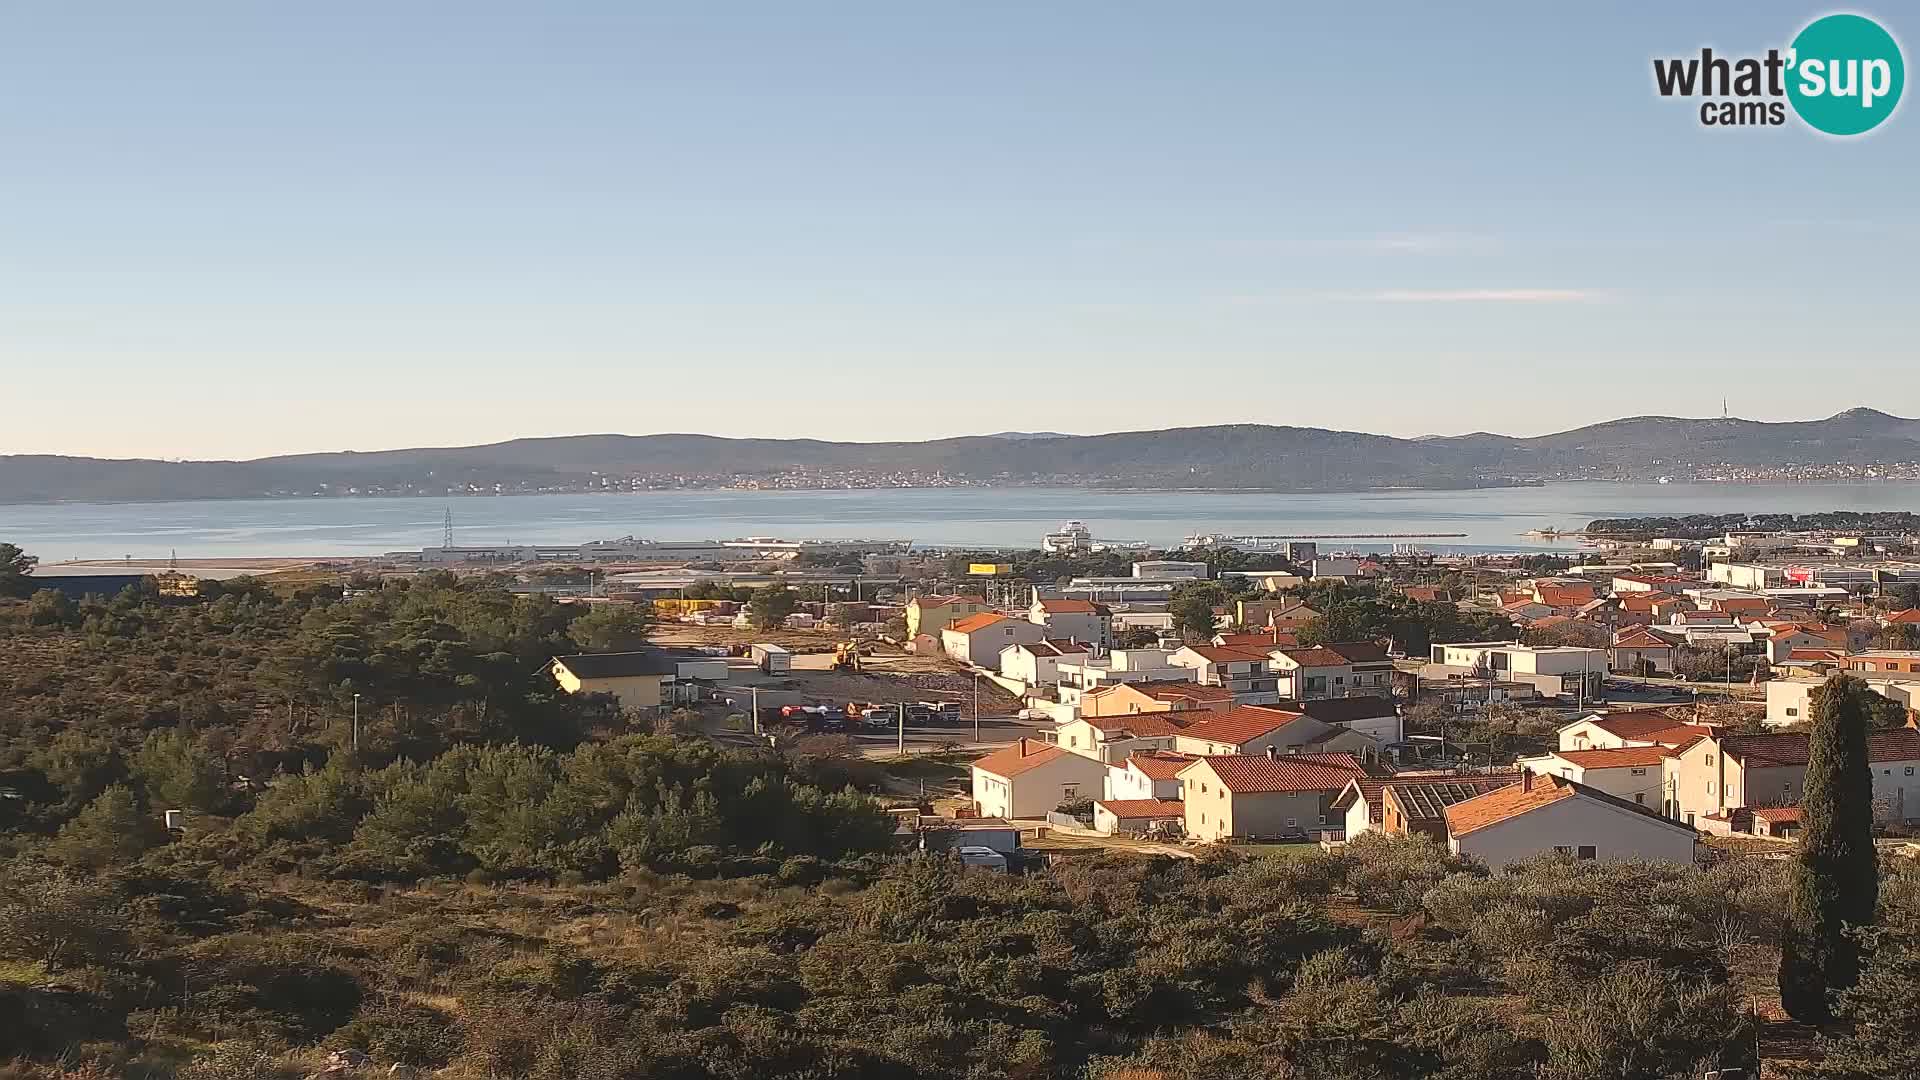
[356, 723]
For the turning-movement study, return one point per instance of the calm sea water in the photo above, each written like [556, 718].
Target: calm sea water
[1495, 519]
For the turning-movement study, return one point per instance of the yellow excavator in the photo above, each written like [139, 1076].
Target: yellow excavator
[846, 656]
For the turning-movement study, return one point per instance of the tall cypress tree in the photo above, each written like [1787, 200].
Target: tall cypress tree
[1835, 878]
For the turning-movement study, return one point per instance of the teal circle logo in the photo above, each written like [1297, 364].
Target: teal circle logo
[1845, 74]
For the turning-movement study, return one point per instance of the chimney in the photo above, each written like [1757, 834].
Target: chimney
[1526, 779]
[1273, 752]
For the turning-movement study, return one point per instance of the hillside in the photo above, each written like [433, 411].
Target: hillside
[1247, 456]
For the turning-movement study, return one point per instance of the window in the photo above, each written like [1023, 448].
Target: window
[1293, 823]
[1709, 759]
[1640, 798]
[1909, 770]
[1641, 771]
[1069, 792]
[1791, 711]
[1588, 851]
[1323, 819]
[1709, 787]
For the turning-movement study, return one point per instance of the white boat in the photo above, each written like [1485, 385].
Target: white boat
[1071, 536]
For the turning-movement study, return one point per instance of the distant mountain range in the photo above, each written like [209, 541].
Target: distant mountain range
[1230, 456]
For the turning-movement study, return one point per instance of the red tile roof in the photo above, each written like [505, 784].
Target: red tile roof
[1010, 761]
[1317, 656]
[1258, 774]
[977, 622]
[1777, 813]
[1143, 808]
[1829, 656]
[1143, 725]
[1167, 691]
[1636, 724]
[1621, 757]
[1360, 652]
[1639, 637]
[1907, 617]
[1160, 764]
[1789, 748]
[1508, 802]
[1216, 654]
[1238, 725]
[1068, 607]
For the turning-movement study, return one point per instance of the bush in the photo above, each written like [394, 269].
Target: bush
[1394, 873]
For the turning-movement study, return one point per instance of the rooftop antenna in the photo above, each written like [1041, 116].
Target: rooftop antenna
[1723, 410]
[446, 539]
[173, 560]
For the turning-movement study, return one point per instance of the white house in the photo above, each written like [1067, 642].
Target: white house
[1552, 814]
[1074, 620]
[1136, 815]
[1634, 773]
[1113, 738]
[1600, 731]
[1247, 672]
[1147, 774]
[1038, 663]
[1029, 779]
[978, 639]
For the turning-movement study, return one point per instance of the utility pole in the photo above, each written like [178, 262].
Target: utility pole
[976, 708]
[900, 745]
[356, 720]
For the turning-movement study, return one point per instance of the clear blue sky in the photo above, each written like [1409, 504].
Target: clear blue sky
[233, 229]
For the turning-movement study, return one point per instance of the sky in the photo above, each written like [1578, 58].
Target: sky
[239, 229]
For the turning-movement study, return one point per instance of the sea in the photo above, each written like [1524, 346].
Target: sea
[1488, 519]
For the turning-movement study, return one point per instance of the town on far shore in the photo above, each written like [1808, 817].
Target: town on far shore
[1644, 697]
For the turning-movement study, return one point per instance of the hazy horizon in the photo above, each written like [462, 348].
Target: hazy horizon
[235, 232]
[975, 434]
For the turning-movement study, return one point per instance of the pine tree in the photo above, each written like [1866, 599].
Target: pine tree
[1835, 877]
[109, 830]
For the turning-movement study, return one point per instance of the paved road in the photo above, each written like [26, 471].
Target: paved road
[995, 732]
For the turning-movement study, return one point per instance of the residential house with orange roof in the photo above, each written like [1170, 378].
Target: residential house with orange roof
[1246, 672]
[1634, 773]
[1724, 772]
[1624, 727]
[1030, 778]
[1074, 620]
[1375, 715]
[1904, 617]
[1553, 814]
[1264, 795]
[1037, 663]
[1126, 699]
[1637, 650]
[1320, 671]
[1369, 803]
[1790, 699]
[1112, 738]
[1147, 774]
[1784, 637]
[1136, 815]
[1564, 597]
[932, 614]
[978, 639]
[1251, 729]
